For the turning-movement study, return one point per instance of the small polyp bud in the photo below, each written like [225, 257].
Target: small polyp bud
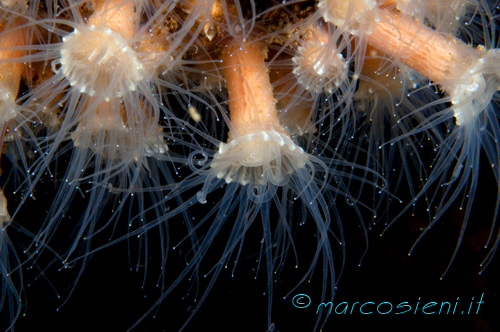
[319, 66]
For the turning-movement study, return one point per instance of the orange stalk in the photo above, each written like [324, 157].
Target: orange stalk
[251, 101]
[440, 57]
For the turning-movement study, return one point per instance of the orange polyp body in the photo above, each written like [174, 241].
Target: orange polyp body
[439, 57]
[380, 82]
[106, 117]
[10, 72]
[118, 15]
[10, 79]
[376, 68]
[251, 101]
[295, 108]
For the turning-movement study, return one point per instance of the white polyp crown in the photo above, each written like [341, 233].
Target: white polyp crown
[99, 61]
[472, 93]
[261, 157]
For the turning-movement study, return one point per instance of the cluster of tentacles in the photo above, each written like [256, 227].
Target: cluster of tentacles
[185, 127]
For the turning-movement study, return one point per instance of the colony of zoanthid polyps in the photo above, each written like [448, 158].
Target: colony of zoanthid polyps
[218, 130]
